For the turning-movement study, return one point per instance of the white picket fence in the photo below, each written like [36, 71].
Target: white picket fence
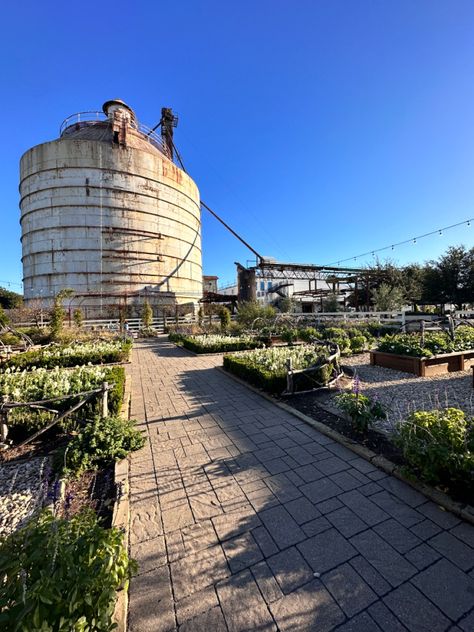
[159, 324]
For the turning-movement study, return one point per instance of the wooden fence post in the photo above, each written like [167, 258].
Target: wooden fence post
[105, 399]
[4, 422]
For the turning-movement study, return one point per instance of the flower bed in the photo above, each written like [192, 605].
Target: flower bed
[214, 343]
[266, 368]
[75, 354]
[39, 384]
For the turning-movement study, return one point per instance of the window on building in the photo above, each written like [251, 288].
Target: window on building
[262, 285]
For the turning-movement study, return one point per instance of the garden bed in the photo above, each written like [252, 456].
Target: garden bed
[266, 368]
[424, 367]
[312, 405]
[71, 355]
[215, 343]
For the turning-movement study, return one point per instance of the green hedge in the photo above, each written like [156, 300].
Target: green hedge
[275, 382]
[194, 344]
[71, 355]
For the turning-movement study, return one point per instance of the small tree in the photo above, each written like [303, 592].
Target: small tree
[386, 297]
[250, 312]
[78, 317]
[57, 315]
[147, 315]
[330, 303]
[224, 316]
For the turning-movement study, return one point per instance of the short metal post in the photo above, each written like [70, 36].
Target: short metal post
[422, 333]
[404, 322]
[105, 399]
[289, 375]
[4, 421]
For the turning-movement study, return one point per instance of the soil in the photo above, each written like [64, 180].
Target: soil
[308, 403]
[96, 490]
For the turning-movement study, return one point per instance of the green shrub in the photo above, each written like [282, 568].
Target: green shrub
[308, 334]
[62, 575]
[225, 318]
[439, 445]
[252, 315]
[75, 354]
[339, 337]
[358, 343]
[363, 410]
[100, 442]
[219, 343]
[289, 335]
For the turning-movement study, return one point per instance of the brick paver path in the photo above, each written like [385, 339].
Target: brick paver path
[246, 519]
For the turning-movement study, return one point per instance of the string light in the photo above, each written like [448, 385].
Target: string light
[413, 240]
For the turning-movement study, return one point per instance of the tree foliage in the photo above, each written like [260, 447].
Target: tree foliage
[9, 299]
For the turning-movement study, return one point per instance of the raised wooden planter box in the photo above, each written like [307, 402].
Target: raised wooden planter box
[424, 367]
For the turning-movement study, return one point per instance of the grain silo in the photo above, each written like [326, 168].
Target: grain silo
[106, 212]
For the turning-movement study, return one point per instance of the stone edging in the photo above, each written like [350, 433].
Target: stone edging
[466, 512]
[121, 513]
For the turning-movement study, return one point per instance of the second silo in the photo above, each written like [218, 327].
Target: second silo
[106, 212]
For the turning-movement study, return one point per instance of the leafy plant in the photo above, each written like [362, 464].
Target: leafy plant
[224, 317]
[308, 334]
[100, 442]
[78, 317]
[434, 343]
[289, 335]
[363, 410]
[338, 336]
[255, 316]
[439, 444]
[147, 315]
[57, 315]
[62, 575]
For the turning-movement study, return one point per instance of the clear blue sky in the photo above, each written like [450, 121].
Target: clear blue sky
[319, 129]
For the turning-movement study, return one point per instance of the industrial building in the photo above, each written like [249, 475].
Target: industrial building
[107, 213]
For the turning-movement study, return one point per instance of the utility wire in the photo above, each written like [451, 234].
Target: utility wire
[413, 240]
[214, 214]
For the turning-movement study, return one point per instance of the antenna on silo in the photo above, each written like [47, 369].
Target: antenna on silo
[168, 122]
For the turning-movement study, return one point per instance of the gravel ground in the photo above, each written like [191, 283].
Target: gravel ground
[403, 393]
[22, 490]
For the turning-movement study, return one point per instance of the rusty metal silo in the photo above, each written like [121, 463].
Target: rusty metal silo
[106, 212]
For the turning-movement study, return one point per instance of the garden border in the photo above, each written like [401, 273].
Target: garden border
[466, 512]
[121, 511]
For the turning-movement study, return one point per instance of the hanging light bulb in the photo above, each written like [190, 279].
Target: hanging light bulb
[414, 241]
[468, 223]
[392, 247]
[440, 232]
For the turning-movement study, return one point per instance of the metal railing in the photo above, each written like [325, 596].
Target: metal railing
[81, 117]
[99, 117]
